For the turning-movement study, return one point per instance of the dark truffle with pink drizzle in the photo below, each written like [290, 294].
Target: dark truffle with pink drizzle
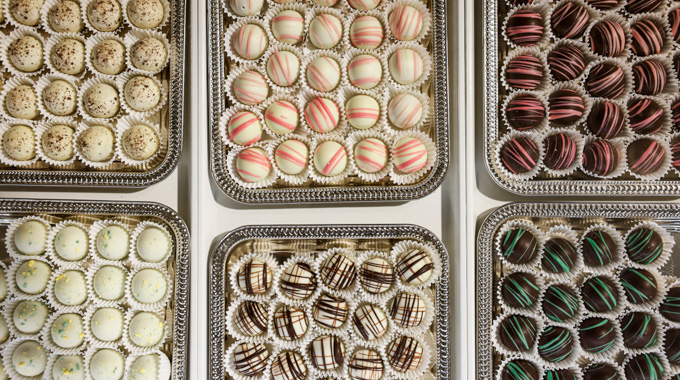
[525, 111]
[649, 77]
[566, 106]
[605, 120]
[606, 80]
[525, 27]
[647, 38]
[560, 151]
[520, 155]
[524, 72]
[645, 156]
[566, 63]
[607, 38]
[645, 115]
[601, 158]
[569, 20]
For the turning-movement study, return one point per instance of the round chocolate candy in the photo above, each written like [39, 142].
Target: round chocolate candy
[518, 369]
[644, 366]
[676, 63]
[606, 80]
[674, 21]
[607, 38]
[520, 155]
[569, 20]
[519, 245]
[644, 245]
[370, 322]
[560, 151]
[649, 77]
[559, 256]
[330, 311]
[327, 352]
[376, 275]
[639, 285]
[524, 72]
[404, 354]
[520, 2]
[254, 277]
[520, 290]
[525, 27]
[338, 271]
[290, 323]
[560, 303]
[670, 307]
[250, 359]
[601, 158]
[560, 374]
[414, 266]
[365, 365]
[603, 5]
[407, 309]
[566, 106]
[600, 295]
[298, 281]
[647, 38]
[646, 116]
[675, 113]
[672, 345]
[566, 62]
[675, 153]
[597, 335]
[645, 156]
[599, 371]
[288, 365]
[555, 344]
[525, 112]
[642, 6]
[251, 318]
[599, 248]
[639, 330]
[605, 120]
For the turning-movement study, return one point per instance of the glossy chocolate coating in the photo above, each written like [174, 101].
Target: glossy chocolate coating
[519, 370]
[524, 112]
[560, 303]
[671, 345]
[644, 245]
[644, 366]
[670, 308]
[649, 77]
[338, 271]
[675, 152]
[646, 116]
[555, 344]
[601, 158]
[559, 256]
[642, 6]
[599, 248]
[518, 333]
[675, 113]
[645, 156]
[525, 27]
[607, 39]
[674, 22]
[639, 330]
[519, 245]
[639, 285]
[606, 80]
[601, 371]
[599, 295]
[566, 106]
[520, 155]
[566, 62]
[597, 335]
[605, 120]
[560, 151]
[569, 20]
[560, 374]
[647, 38]
[603, 5]
[524, 72]
[519, 290]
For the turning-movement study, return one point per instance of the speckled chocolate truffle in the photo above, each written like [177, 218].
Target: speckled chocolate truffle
[26, 54]
[21, 102]
[140, 142]
[18, 143]
[60, 98]
[148, 54]
[57, 143]
[68, 56]
[145, 14]
[108, 57]
[26, 12]
[101, 101]
[97, 143]
[142, 93]
[104, 15]
[64, 17]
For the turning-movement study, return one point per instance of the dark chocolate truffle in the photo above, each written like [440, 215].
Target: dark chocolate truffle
[674, 21]
[519, 369]
[646, 116]
[566, 106]
[338, 271]
[601, 158]
[566, 62]
[298, 281]
[560, 151]
[607, 38]
[520, 2]
[672, 346]
[524, 72]
[559, 256]
[525, 112]
[525, 27]
[518, 333]
[605, 119]
[560, 374]
[606, 80]
[404, 354]
[644, 366]
[670, 308]
[603, 5]
[600, 295]
[647, 38]
[649, 77]
[675, 112]
[250, 359]
[519, 245]
[644, 245]
[639, 285]
[407, 309]
[599, 248]
[642, 6]
[569, 20]
[555, 344]
[251, 318]
[601, 371]
[520, 155]
[560, 303]
[676, 64]
[327, 352]
[519, 290]
[645, 156]
[597, 335]
[639, 330]
[675, 152]
[290, 323]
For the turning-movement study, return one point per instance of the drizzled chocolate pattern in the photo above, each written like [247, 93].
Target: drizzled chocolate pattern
[519, 246]
[327, 352]
[559, 256]
[645, 115]
[642, 6]
[519, 370]
[407, 309]
[644, 245]
[606, 80]
[376, 275]
[601, 158]
[366, 365]
[414, 266]
[645, 156]
[603, 5]
[674, 21]
[676, 64]
[600, 371]
[644, 366]
[566, 62]
[524, 72]
[597, 335]
[519, 290]
[298, 281]
[599, 248]
[251, 318]
[290, 323]
[560, 303]
[675, 152]
[647, 38]
[370, 322]
[672, 346]
[560, 374]
[404, 354]
[520, 155]
[525, 27]
[250, 359]
[330, 311]
[555, 344]
[639, 330]
[566, 106]
[605, 120]
[607, 39]
[255, 277]
[338, 271]
[525, 112]
[569, 20]
[289, 365]
[675, 113]
[670, 308]
[599, 295]
[649, 77]
[639, 285]
[560, 151]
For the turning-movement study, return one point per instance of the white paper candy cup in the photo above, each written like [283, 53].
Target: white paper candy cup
[343, 328]
[81, 94]
[379, 15]
[52, 42]
[135, 259]
[163, 366]
[44, 17]
[95, 40]
[426, 342]
[292, 179]
[57, 304]
[404, 246]
[391, 290]
[354, 139]
[272, 51]
[347, 83]
[611, 353]
[233, 171]
[309, 58]
[611, 17]
[234, 331]
[578, 140]
[402, 178]
[320, 373]
[534, 309]
[122, 81]
[130, 346]
[498, 163]
[95, 229]
[306, 258]
[12, 249]
[314, 172]
[274, 335]
[166, 16]
[303, 100]
[40, 130]
[281, 97]
[8, 86]
[426, 21]
[47, 341]
[96, 299]
[564, 232]
[8, 313]
[4, 157]
[620, 168]
[4, 51]
[230, 364]
[665, 163]
[418, 49]
[43, 82]
[618, 253]
[52, 254]
[132, 37]
[127, 123]
[664, 256]
[271, 263]
[224, 125]
[428, 316]
[7, 359]
[231, 32]
[616, 309]
[231, 78]
[157, 306]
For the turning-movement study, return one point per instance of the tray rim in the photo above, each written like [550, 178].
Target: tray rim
[322, 194]
[113, 179]
[181, 352]
[221, 250]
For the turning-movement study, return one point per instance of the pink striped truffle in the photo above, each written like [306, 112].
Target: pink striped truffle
[250, 88]
[323, 74]
[283, 68]
[366, 32]
[244, 128]
[325, 3]
[246, 8]
[406, 66]
[291, 156]
[322, 115]
[405, 111]
[410, 155]
[370, 155]
[364, 71]
[406, 23]
[281, 117]
[362, 111]
[325, 31]
[288, 26]
[252, 164]
[249, 41]
[364, 5]
[330, 158]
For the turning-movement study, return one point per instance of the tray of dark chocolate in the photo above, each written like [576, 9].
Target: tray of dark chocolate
[328, 100]
[93, 91]
[579, 291]
[316, 302]
[581, 96]
[93, 290]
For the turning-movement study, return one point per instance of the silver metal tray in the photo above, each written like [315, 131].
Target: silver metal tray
[284, 240]
[353, 190]
[177, 348]
[489, 269]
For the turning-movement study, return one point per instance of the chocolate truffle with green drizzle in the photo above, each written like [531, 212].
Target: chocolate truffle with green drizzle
[560, 374]
[518, 333]
[519, 290]
[639, 330]
[671, 345]
[519, 369]
[555, 344]
[645, 366]
[559, 256]
[639, 285]
[519, 245]
[644, 245]
[597, 335]
[599, 371]
[670, 308]
[599, 248]
[560, 303]
[600, 295]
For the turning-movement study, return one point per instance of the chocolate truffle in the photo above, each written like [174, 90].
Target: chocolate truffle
[104, 15]
[26, 54]
[560, 303]
[410, 155]
[520, 290]
[606, 80]
[249, 41]
[338, 271]
[519, 245]
[597, 335]
[555, 344]
[250, 88]
[330, 311]
[518, 333]
[327, 352]
[57, 144]
[29, 359]
[282, 118]
[366, 32]
[675, 112]
[404, 354]
[603, 5]
[599, 248]
[365, 365]
[330, 159]
[251, 318]
[675, 151]
[254, 277]
[288, 365]
[599, 371]
[649, 77]
[524, 112]
[560, 374]
[670, 308]
[291, 156]
[405, 21]
[414, 266]
[298, 281]
[566, 62]
[601, 158]
[645, 156]
[253, 165]
[288, 26]
[672, 345]
[323, 74]
[644, 245]
[520, 155]
[559, 256]
[290, 323]
[525, 27]
[525, 72]
[148, 54]
[376, 275]
[646, 116]
[566, 106]
[674, 21]
[18, 143]
[370, 322]
[605, 120]
[64, 17]
[639, 330]
[325, 31]
[647, 38]
[407, 309]
[642, 6]
[607, 39]
[644, 366]
[244, 128]
[518, 369]
[60, 98]
[560, 151]
[569, 20]
[676, 64]
[600, 295]
[250, 359]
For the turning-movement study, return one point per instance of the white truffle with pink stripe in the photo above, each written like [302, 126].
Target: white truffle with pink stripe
[322, 115]
[370, 155]
[281, 117]
[366, 32]
[250, 88]
[406, 22]
[252, 165]
[405, 111]
[244, 128]
[323, 74]
[291, 156]
[362, 111]
[364, 71]
[410, 155]
[330, 158]
[249, 41]
[325, 31]
[283, 68]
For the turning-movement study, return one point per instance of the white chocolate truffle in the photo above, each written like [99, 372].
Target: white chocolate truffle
[145, 368]
[108, 57]
[362, 111]
[22, 103]
[366, 364]
[149, 286]
[281, 117]
[330, 158]
[322, 115]
[254, 277]
[253, 165]
[327, 352]
[68, 56]
[330, 311]
[18, 142]
[57, 144]
[153, 245]
[113, 242]
[325, 31]
[70, 288]
[246, 8]
[410, 155]
[370, 322]
[107, 364]
[29, 316]
[244, 128]
[363, 5]
[67, 331]
[71, 243]
[406, 22]
[32, 276]
[376, 275]
[404, 353]
[107, 324]
[288, 26]
[250, 88]
[104, 15]
[96, 143]
[407, 309]
[142, 93]
[251, 318]
[250, 359]
[292, 156]
[26, 53]
[323, 74]
[366, 32]
[4, 330]
[249, 42]
[30, 238]
[370, 155]
[68, 367]
[148, 54]
[324, 3]
[405, 111]
[140, 142]
[288, 365]
[29, 359]
[414, 266]
[290, 323]
[283, 68]
[26, 12]
[109, 283]
[406, 66]
[298, 281]
[145, 14]
[3, 284]
[101, 101]
[60, 98]
[146, 329]
[64, 17]
[364, 71]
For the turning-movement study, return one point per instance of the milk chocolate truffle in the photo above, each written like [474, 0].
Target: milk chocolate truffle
[646, 116]
[246, 8]
[22, 103]
[298, 281]
[338, 271]
[519, 245]
[370, 322]
[254, 277]
[569, 20]
[250, 359]
[104, 15]
[519, 290]
[560, 303]
[644, 245]
[598, 371]
[142, 93]
[518, 333]
[405, 22]
[524, 72]
[647, 37]
[145, 14]
[57, 143]
[404, 354]
[607, 39]
[288, 365]
[18, 143]
[639, 285]
[649, 77]
[26, 12]
[520, 155]
[414, 266]
[290, 323]
[366, 32]
[601, 158]
[670, 308]
[60, 98]
[323, 74]
[597, 335]
[288, 26]
[605, 120]
[603, 5]
[642, 6]
[249, 42]
[559, 256]
[251, 318]
[644, 366]
[600, 295]
[566, 62]
[560, 151]
[140, 142]
[366, 364]
[645, 156]
[26, 54]
[599, 248]
[376, 275]
[405, 66]
[555, 344]
[524, 112]
[108, 57]
[606, 80]
[101, 101]
[672, 345]
[407, 309]
[64, 17]
[68, 56]
[148, 54]
[325, 31]
[364, 71]
[330, 311]
[566, 106]
[327, 352]
[518, 369]
[525, 27]
[97, 143]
